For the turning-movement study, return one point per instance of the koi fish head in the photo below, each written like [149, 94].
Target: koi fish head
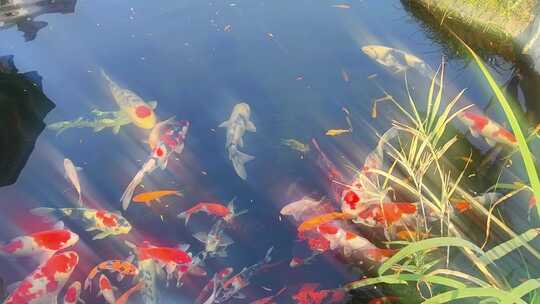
[143, 116]
[242, 109]
[55, 240]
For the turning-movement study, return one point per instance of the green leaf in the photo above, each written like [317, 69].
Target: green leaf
[507, 247]
[476, 292]
[425, 245]
[404, 278]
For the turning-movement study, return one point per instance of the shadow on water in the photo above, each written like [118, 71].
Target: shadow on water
[504, 54]
[23, 13]
[23, 106]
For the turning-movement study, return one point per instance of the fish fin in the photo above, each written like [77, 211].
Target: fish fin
[474, 133]
[183, 247]
[91, 228]
[132, 246]
[59, 225]
[239, 159]
[153, 104]
[120, 277]
[163, 164]
[201, 236]
[12, 287]
[241, 142]
[116, 129]
[239, 296]
[99, 128]
[267, 257]
[101, 235]
[225, 240]
[184, 215]
[230, 205]
[490, 142]
[225, 124]
[250, 126]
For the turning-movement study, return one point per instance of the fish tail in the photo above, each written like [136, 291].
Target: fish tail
[185, 216]
[239, 159]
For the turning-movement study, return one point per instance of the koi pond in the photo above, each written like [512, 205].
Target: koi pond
[310, 152]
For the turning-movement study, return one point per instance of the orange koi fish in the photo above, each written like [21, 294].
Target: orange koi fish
[125, 297]
[44, 242]
[481, 125]
[107, 223]
[166, 257]
[148, 197]
[106, 289]
[315, 221]
[308, 294]
[44, 284]
[123, 268]
[216, 209]
[73, 293]
[373, 215]
[379, 255]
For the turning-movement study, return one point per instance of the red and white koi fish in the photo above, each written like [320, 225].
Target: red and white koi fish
[107, 223]
[123, 299]
[41, 243]
[270, 299]
[481, 125]
[167, 137]
[139, 112]
[217, 279]
[44, 284]
[106, 289]
[70, 173]
[227, 213]
[318, 220]
[73, 294]
[348, 241]
[123, 268]
[194, 268]
[298, 208]
[165, 257]
[384, 214]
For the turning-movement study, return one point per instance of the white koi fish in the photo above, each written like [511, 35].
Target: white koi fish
[396, 60]
[492, 132]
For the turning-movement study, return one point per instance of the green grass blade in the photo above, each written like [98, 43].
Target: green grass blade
[427, 245]
[526, 287]
[505, 248]
[532, 173]
[478, 292]
[404, 278]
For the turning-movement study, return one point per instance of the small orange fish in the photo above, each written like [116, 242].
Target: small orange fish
[337, 132]
[384, 300]
[148, 197]
[342, 6]
[318, 220]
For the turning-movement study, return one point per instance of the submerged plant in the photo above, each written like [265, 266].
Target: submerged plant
[420, 170]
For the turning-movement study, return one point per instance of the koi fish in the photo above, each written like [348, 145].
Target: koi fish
[238, 123]
[44, 284]
[106, 289]
[486, 199]
[318, 220]
[123, 299]
[492, 132]
[194, 268]
[270, 299]
[73, 294]
[102, 120]
[397, 61]
[338, 132]
[373, 215]
[107, 223]
[348, 241]
[217, 279]
[139, 112]
[216, 209]
[308, 294]
[44, 242]
[215, 242]
[385, 300]
[165, 257]
[342, 6]
[71, 175]
[297, 208]
[123, 268]
[233, 286]
[166, 137]
[297, 262]
[148, 197]
[379, 255]
[296, 145]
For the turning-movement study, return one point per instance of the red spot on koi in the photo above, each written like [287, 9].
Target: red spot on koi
[142, 111]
